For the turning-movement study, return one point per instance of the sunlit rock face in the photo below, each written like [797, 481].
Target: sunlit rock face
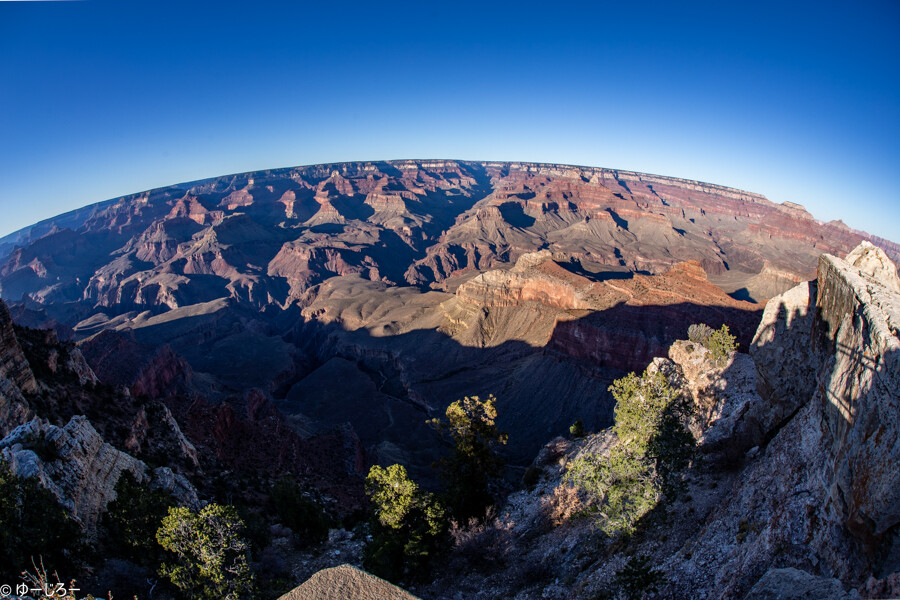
[265, 237]
[828, 372]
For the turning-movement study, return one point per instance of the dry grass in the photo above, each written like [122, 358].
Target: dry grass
[563, 504]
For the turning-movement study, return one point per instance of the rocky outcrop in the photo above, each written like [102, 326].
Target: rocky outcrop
[824, 490]
[15, 376]
[81, 469]
[794, 584]
[785, 350]
[72, 459]
[873, 262]
[861, 314]
[161, 440]
[73, 462]
[730, 417]
[346, 583]
[800, 497]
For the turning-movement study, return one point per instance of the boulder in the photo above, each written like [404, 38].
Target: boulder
[346, 583]
[873, 262]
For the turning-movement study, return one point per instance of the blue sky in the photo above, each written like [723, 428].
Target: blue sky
[800, 102]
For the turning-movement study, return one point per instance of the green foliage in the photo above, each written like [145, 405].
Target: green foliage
[408, 525]
[303, 516]
[721, 344]
[33, 525]
[654, 447]
[576, 429]
[133, 518]
[637, 578]
[474, 464]
[209, 556]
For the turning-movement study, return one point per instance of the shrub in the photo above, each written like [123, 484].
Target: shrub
[653, 448]
[699, 333]
[133, 518]
[576, 429]
[721, 344]
[303, 516]
[483, 544]
[563, 504]
[408, 525]
[475, 463]
[209, 557]
[34, 528]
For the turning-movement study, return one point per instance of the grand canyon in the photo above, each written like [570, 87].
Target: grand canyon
[214, 336]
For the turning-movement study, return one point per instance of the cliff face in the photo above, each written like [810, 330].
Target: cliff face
[402, 276]
[861, 313]
[620, 321]
[80, 468]
[13, 365]
[823, 494]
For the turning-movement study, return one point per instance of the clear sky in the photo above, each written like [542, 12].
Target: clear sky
[797, 101]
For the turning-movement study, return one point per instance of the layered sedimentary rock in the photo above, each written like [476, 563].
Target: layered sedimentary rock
[241, 282]
[860, 397]
[44, 376]
[15, 375]
[263, 238]
[615, 320]
[13, 364]
[729, 417]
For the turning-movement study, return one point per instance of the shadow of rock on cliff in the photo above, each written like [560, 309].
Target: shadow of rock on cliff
[387, 386]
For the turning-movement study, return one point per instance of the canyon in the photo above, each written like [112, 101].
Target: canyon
[377, 293]
[214, 336]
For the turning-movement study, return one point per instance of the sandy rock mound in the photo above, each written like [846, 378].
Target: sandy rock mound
[346, 583]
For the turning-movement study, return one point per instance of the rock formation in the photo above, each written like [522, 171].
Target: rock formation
[825, 483]
[371, 272]
[80, 468]
[264, 238]
[346, 583]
